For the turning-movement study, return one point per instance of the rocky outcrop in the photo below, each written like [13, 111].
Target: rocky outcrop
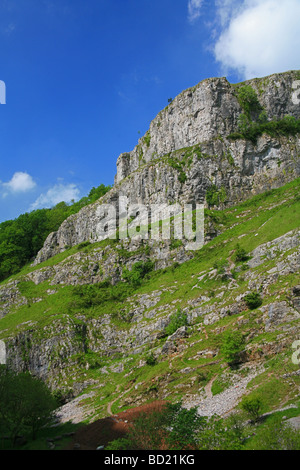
[204, 113]
[186, 152]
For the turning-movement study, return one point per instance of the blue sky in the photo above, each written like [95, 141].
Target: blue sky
[84, 79]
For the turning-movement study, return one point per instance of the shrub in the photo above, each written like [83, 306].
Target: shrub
[182, 177]
[172, 427]
[250, 130]
[248, 100]
[253, 300]
[240, 254]
[138, 272]
[252, 406]
[177, 320]
[220, 266]
[147, 139]
[83, 245]
[151, 359]
[232, 346]
[215, 196]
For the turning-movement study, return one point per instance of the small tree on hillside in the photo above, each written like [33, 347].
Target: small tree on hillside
[232, 346]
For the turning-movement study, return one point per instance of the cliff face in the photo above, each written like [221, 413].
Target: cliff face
[206, 112]
[187, 150]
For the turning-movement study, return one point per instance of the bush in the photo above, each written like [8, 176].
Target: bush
[138, 272]
[91, 295]
[220, 266]
[150, 359]
[177, 320]
[248, 100]
[251, 130]
[215, 196]
[252, 406]
[175, 428]
[232, 346]
[240, 254]
[253, 300]
[22, 238]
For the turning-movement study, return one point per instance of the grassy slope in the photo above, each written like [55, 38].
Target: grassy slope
[261, 219]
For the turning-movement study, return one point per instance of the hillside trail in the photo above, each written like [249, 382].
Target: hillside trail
[110, 404]
[209, 386]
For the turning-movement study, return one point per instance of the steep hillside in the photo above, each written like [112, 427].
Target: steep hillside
[117, 323]
[113, 340]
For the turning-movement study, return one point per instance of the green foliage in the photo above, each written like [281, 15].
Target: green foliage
[90, 295]
[150, 359]
[253, 122]
[218, 435]
[232, 346]
[250, 130]
[138, 272]
[177, 320]
[184, 427]
[147, 139]
[248, 99]
[182, 177]
[276, 435]
[215, 196]
[22, 238]
[240, 253]
[252, 406]
[179, 166]
[220, 265]
[175, 244]
[26, 404]
[253, 300]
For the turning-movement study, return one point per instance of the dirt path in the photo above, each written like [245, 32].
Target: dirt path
[110, 404]
[208, 387]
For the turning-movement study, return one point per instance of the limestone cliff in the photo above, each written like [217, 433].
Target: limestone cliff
[187, 150]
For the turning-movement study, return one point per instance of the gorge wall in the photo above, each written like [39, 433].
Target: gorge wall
[187, 150]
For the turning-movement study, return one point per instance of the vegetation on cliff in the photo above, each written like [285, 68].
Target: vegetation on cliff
[22, 238]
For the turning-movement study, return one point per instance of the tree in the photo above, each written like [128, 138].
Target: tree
[22, 238]
[252, 406]
[26, 404]
[232, 346]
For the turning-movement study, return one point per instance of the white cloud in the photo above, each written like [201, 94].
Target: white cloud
[56, 194]
[194, 9]
[258, 37]
[20, 182]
